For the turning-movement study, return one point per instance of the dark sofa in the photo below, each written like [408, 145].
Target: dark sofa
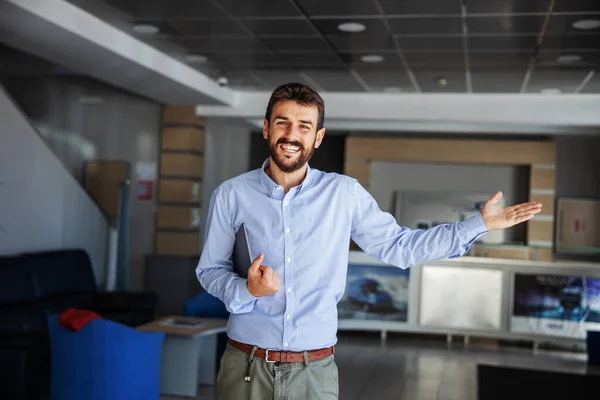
[35, 285]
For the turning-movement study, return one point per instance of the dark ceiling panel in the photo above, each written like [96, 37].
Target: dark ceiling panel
[500, 60]
[427, 78]
[588, 59]
[221, 45]
[591, 42]
[215, 27]
[386, 78]
[502, 43]
[232, 61]
[578, 6]
[561, 24]
[446, 59]
[494, 81]
[302, 60]
[164, 28]
[412, 26]
[165, 9]
[565, 79]
[593, 85]
[334, 81]
[279, 27]
[506, 24]
[389, 59]
[507, 6]
[362, 42]
[337, 8]
[374, 26]
[256, 8]
[420, 7]
[426, 44]
[275, 78]
[296, 44]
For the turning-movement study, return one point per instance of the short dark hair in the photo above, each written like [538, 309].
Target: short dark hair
[301, 94]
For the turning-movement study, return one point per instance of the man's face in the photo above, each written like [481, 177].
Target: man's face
[292, 134]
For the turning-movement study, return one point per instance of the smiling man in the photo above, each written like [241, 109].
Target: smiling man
[283, 316]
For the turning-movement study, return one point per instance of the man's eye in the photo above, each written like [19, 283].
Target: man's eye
[282, 123]
[304, 126]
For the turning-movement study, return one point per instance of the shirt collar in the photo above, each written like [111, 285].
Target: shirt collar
[272, 188]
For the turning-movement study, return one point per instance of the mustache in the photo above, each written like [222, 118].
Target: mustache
[290, 142]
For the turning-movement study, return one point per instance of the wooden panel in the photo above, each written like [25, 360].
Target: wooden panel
[188, 165]
[541, 253]
[182, 139]
[547, 201]
[358, 170]
[540, 230]
[542, 178]
[103, 180]
[178, 244]
[179, 191]
[182, 115]
[180, 217]
[500, 252]
[451, 151]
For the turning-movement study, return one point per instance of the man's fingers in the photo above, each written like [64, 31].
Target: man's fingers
[256, 263]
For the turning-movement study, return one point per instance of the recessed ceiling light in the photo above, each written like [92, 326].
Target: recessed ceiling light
[550, 91]
[146, 29]
[587, 24]
[392, 89]
[568, 58]
[372, 58]
[441, 82]
[352, 27]
[195, 58]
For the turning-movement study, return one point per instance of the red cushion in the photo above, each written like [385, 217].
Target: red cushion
[74, 319]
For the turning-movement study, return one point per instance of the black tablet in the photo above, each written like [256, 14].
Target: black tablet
[242, 257]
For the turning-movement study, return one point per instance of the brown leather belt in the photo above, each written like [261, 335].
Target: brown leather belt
[270, 355]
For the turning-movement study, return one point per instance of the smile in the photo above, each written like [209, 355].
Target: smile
[289, 148]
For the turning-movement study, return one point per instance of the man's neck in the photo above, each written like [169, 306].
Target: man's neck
[285, 179]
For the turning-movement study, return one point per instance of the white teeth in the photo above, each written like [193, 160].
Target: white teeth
[291, 148]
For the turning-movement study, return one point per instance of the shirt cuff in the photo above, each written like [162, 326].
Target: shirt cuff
[473, 228]
[243, 295]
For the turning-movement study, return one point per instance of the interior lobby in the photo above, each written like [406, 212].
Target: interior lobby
[125, 126]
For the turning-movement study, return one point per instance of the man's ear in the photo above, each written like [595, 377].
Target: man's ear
[320, 135]
[266, 128]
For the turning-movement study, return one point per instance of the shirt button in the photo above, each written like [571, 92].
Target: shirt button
[288, 260]
[287, 316]
[285, 344]
[289, 289]
[287, 230]
[285, 204]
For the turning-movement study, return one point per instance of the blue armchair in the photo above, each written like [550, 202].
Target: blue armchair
[205, 305]
[104, 360]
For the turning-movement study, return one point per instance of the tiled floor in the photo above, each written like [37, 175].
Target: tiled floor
[408, 369]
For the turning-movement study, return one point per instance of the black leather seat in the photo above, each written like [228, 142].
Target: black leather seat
[23, 337]
[35, 285]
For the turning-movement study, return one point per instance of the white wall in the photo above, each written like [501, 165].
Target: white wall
[226, 154]
[42, 207]
[387, 177]
[81, 119]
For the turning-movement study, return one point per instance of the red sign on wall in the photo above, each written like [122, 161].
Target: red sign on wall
[145, 189]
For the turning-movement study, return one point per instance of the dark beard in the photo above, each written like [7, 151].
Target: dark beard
[279, 160]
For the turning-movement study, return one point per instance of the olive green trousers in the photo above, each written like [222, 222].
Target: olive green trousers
[310, 380]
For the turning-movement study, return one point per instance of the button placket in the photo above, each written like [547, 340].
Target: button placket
[288, 258]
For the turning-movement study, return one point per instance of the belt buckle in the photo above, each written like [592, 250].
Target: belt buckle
[267, 355]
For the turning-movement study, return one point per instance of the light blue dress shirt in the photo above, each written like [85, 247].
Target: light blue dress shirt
[305, 236]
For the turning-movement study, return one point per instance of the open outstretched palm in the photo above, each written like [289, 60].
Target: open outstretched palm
[496, 217]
